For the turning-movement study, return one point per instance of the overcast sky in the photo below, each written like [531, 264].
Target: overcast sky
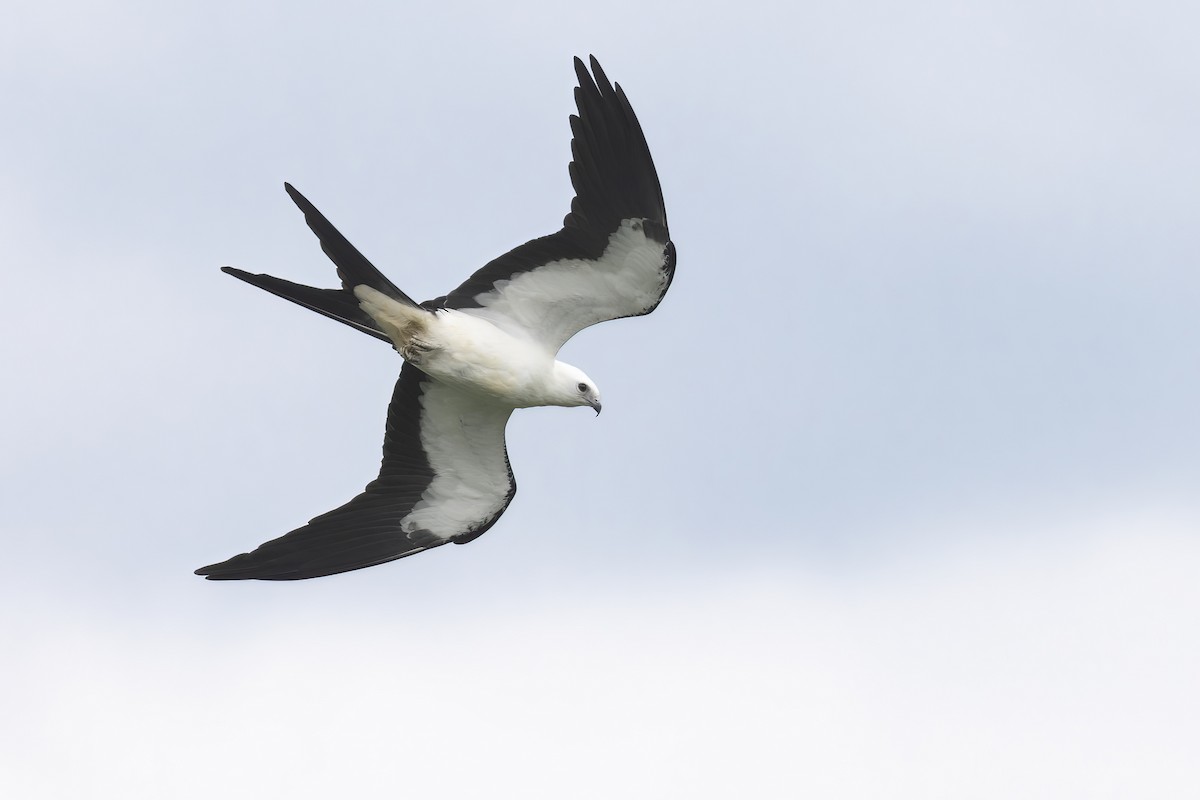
[893, 496]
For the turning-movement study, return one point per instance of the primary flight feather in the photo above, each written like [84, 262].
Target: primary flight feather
[481, 351]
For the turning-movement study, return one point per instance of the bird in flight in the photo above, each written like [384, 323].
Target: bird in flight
[478, 353]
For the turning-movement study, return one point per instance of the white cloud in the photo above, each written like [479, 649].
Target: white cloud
[1052, 665]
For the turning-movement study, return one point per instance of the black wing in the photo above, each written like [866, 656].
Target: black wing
[613, 257]
[445, 477]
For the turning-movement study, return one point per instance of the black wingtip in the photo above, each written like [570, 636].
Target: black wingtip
[299, 199]
[595, 77]
[206, 572]
[251, 278]
[598, 71]
[581, 71]
[238, 568]
[611, 168]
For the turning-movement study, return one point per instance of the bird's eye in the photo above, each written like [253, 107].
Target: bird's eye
[583, 387]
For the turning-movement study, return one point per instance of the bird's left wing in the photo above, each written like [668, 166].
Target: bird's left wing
[445, 477]
[613, 257]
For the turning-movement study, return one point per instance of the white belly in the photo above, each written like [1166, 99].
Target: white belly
[464, 350]
[473, 353]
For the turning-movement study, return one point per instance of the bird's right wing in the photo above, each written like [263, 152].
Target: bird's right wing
[445, 477]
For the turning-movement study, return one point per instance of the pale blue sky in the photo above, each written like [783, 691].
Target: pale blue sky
[895, 495]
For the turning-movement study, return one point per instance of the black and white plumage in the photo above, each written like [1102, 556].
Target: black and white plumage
[481, 351]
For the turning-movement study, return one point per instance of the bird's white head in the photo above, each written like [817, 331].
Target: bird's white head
[572, 387]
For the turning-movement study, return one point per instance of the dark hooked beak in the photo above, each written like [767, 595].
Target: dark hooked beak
[596, 406]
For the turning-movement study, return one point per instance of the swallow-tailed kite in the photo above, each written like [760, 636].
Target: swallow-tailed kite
[476, 354]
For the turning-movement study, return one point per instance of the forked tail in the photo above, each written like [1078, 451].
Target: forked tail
[352, 267]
